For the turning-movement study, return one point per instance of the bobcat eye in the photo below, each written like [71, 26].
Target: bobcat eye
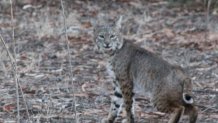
[101, 36]
[112, 36]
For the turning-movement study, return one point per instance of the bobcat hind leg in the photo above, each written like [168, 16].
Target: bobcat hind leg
[178, 112]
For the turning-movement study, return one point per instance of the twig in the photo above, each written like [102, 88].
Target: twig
[8, 52]
[206, 92]
[15, 64]
[12, 61]
[213, 107]
[15, 71]
[69, 59]
[207, 20]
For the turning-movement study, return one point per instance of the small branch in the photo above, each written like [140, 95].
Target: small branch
[15, 64]
[8, 52]
[213, 107]
[12, 61]
[207, 20]
[69, 59]
[206, 92]
[208, 11]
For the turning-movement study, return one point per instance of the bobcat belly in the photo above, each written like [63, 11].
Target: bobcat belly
[140, 89]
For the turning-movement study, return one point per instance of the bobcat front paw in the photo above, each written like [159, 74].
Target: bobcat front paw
[105, 120]
[124, 121]
[127, 121]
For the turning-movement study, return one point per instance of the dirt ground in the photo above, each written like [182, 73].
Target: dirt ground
[182, 35]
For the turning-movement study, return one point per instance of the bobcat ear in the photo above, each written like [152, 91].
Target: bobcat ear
[95, 25]
[118, 23]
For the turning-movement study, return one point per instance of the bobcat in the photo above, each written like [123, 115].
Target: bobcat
[169, 87]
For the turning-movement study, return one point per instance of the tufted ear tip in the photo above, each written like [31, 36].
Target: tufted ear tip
[188, 98]
[119, 22]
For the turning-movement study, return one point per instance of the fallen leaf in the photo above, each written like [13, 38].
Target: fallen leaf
[8, 107]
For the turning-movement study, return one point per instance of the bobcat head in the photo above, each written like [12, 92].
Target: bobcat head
[108, 38]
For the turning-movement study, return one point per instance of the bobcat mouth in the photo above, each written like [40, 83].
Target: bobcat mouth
[109, 51]
[107, 47]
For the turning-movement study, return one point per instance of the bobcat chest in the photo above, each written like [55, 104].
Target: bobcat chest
[110, 70]
[117, 68]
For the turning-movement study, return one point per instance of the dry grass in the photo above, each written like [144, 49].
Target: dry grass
[71, 82]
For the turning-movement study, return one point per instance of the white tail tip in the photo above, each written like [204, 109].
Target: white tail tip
[187, 99]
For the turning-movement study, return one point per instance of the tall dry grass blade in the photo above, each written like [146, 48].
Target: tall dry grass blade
[69, 58]
[15, 64]
[207, 19]
[12, 61]
[7, 50]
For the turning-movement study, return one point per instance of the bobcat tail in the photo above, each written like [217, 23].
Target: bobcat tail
[187, 92]
[187, 98]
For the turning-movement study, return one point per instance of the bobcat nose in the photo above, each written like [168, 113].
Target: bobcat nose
[106, 45]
